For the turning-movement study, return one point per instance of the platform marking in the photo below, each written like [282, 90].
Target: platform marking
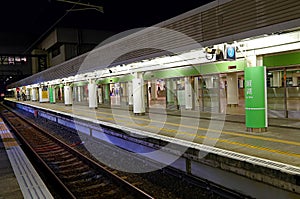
[201, 129]
[225, 141]
[206, 129]
[29, 181]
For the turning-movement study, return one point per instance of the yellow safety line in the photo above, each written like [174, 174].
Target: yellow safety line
[206, 137]
[212, 130]
[230, 142]
[6, 137]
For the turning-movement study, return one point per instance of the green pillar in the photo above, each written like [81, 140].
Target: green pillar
[106, 94]
[170, 92]
[256, 99]
[171, 95]
[51, 97]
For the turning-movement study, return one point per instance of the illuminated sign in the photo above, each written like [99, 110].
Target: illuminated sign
[256, 97]
[230, 53]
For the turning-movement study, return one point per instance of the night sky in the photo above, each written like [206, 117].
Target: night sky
[24, 21]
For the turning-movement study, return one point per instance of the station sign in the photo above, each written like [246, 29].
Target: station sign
[255, 97]
[230, 53]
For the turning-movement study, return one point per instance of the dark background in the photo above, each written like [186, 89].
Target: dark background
[25, 21]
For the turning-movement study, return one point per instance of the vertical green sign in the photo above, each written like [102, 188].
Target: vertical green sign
[255, 97]
[51, 94]
[106, 93]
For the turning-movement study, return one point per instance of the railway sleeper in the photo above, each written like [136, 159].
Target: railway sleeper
[79, 176]
[52, 158]
[59, 161]
[95, 188]
[76, 169]
[54, 153]
[72, 165]
[94, 179]
[46, 149]
[90, 181]
[44, 144]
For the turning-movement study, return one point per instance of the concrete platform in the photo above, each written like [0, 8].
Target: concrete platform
[9, 187]
[272, 156]
[18, 179]
[280, 143]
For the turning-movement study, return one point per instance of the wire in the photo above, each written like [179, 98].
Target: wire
[50, 28]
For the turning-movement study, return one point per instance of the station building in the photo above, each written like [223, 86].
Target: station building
[230, 57]
[195, 61]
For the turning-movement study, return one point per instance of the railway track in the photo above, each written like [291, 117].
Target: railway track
[76, 175]
[165, 183]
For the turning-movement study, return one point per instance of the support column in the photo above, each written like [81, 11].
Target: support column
[286, 112]
[138, 94]
[153, 90]
[196, 93]
[40, 94]
[106, 94]
[125, 92]
[100, 95]
[256, 99]
[51, 94]
[75, 93]
[68, 95]
[171, 94]
[232, 89]
[121, 94]
[188, 94]
[80, 93]
[92, 88]
[27, 94]
[33, 94]
[130, 94]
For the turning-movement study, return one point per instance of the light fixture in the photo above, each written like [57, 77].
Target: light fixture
[210, 50]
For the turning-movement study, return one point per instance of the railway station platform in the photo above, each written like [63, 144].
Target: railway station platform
[18, 179]
[272, 157]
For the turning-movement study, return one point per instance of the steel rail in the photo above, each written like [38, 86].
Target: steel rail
[133, 190]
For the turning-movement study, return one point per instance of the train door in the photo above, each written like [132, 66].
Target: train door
[232, 93]
[106, 91]
[156, 93]
[59, 93]
[100, 94]
[123, 93]
[115, 94]
[283, 92]
[208, 93]
[172, 93]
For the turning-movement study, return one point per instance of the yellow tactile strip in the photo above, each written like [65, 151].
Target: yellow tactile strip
[111, 117]
[6, 136]
[123, 119]
[29, 181]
